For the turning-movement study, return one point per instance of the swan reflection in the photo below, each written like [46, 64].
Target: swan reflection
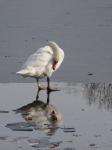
[99, 93]
[41, 115]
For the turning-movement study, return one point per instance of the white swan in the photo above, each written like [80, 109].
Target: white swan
[43, 63]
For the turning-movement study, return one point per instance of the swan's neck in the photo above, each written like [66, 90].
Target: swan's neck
[56, 50]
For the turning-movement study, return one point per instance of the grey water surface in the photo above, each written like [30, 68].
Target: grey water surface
[83, 28]
[84, 117]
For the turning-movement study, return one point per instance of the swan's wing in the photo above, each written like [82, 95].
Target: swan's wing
[40, 58]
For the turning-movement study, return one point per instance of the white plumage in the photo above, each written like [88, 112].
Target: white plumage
[43, 62]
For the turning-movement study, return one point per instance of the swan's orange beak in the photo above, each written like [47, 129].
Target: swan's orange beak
[54, 65]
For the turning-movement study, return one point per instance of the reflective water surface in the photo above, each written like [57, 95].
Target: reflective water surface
[76, 117]
[41, 116]
[83, 28]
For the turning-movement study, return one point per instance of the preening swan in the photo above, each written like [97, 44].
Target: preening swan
[43, 63]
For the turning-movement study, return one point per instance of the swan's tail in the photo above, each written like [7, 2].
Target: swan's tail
[23, 72]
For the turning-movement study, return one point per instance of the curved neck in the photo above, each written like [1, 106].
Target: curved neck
[56, 50]
[53, 45]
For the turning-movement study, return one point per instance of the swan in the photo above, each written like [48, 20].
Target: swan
[43, 63]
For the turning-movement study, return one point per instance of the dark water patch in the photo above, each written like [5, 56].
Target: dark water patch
[82, 109]
[4, 111]
[97, 135]
[76, 134]
[92, 145]
[3, 138]
[20, 126]
[68, 129]
[90, 74]
[69, 141]
[6, 56]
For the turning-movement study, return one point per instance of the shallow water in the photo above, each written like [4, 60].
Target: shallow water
[85, 110]
[83, 28]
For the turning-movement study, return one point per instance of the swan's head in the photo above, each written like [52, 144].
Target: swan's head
[58, 54]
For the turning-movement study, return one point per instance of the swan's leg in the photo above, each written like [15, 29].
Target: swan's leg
[48, 84]
[37, 96]
[49, 89]
[48, 97]
[38, 85]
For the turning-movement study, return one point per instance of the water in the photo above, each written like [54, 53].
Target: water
[84, 105]
[82, 28]
[85, 112]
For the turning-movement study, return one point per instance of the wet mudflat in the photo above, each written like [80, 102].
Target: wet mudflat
[76, 118]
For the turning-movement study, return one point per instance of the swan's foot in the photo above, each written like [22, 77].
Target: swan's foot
[48, 89]
[52, 89]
